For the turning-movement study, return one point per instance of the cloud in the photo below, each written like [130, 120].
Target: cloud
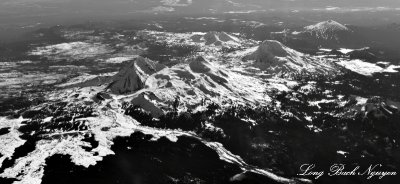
[163, 9]
[354, 9]
[332, 8]
[176, 2]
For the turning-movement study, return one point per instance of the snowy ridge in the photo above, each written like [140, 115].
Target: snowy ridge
[108, 124]
[198, 83]
[205, 79]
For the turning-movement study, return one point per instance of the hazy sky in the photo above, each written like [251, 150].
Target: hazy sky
[12, 11]
[29, 14]
[265, 4]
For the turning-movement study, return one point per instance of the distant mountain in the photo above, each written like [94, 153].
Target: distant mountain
[334, 35]
[217, 39]
[327, 30]
[394, 26]
[329, 33]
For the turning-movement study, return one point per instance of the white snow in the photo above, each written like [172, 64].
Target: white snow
[210, 77]
[316, 103]
[72, 50]
[295, 32]
[361, 100]
[365, 68]
[274, 57]
[10, 141]
[329, 25]
[326, 29]
[325, 50]
[121, 59]
[30, 169]
[344, 153]
[206, 41]
[132, 77]
[345, 51]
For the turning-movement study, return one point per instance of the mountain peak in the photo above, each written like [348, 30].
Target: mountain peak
[273, 48]
[199, 65]
[329, 25]
[133, 75]
[218, 38]
[269, 50]
[327, 30]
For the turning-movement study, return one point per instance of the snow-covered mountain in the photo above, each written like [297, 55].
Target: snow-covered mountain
[206, 79]
[86, 115]
[329, 34]
[197, 83]
[274, 57]
[327, 30]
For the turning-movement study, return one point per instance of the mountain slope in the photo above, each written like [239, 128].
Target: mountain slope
[132, 77]
[198, 83]
[274, 57]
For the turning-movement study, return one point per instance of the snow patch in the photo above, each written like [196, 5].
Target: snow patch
[118, 60]
[71, 50]
[367, 69]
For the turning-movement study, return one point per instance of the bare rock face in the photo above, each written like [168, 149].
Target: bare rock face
[199, 65]
[133, 75]
[211, 38]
